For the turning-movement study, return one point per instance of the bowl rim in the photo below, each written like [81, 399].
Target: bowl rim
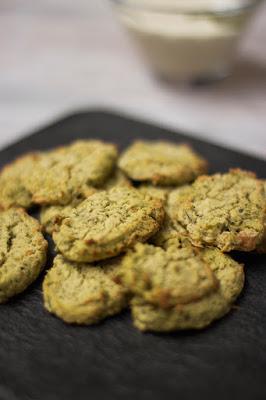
[222, 12]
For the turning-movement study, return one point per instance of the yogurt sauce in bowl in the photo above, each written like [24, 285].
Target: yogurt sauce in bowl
[187, 40]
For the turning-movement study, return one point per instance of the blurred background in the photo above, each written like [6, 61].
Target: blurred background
[58, 56]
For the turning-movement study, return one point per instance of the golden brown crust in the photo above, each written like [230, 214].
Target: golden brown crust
[22, 252]
[261, 248]
[167, 277]
[13, 192]
[83, 293]
[108, 223]
[224, 210]
[162, 163]
[198, 313]
[70, 171]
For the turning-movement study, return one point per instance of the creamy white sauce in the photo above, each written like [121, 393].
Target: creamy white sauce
[182, 45]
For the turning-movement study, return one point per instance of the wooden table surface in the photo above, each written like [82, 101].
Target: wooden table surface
[62, 55]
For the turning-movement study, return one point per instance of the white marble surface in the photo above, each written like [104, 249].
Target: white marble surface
[61, 55]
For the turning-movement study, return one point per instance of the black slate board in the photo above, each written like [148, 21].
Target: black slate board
[41, 358]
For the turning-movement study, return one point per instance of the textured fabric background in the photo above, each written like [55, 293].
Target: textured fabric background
[59, 55]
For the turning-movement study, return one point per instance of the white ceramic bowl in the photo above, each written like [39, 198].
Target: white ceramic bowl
[187, 40]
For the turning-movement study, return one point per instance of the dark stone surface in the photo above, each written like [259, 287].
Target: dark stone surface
[41, 358]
